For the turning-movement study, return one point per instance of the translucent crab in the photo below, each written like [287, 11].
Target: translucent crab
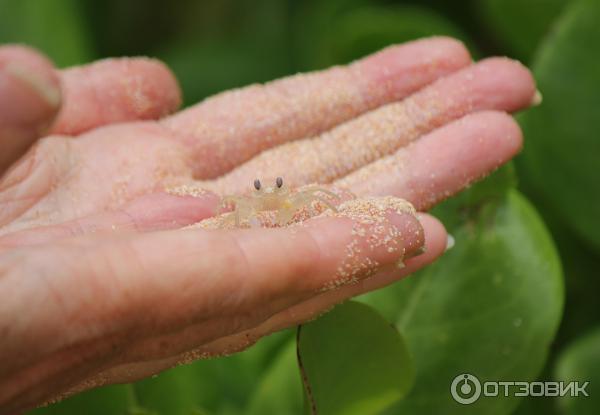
[279, 198]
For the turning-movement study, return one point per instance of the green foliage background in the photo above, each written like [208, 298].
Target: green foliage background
[516, 299]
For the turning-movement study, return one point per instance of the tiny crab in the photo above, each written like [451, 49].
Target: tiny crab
[279, 198]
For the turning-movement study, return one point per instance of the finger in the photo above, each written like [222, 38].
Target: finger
[494, 84]
[196, 276]
[435, 244]
[231, 128]
[152, 212]
[29, 100]
[115, 90]
[443, 162]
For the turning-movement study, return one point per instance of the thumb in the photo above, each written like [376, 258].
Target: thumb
[29, 100]
[119, 289]
[220, 281]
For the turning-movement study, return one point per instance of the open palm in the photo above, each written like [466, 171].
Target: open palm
[104, 285]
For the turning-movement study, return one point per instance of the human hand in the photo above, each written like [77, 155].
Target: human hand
[131, 294]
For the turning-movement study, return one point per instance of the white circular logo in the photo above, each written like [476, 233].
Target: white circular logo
[465, 389]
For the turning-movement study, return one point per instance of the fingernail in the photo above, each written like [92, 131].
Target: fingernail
[46, 89]
[537, 98]
[449, 243]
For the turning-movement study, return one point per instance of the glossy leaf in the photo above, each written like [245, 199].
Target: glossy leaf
[464, 207]
[581, 311]
[581, 264]
[280, 389]
[490, 306]
[519, 26]
[353, 362]
[214, 386]
[580, 362]
[560, 160]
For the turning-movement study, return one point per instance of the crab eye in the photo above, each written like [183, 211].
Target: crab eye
[257, 184]
[279, 182]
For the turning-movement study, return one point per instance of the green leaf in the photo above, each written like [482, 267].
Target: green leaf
[353, 362]
[580, 362]
[560, 160]
[179, 391]
[113, 400]
[56, 27]
[356, 30]
[581, 311]
[519, 26]
[216, 386]
[280, 388]
[580, 263]
[459, 209]
[490, 306]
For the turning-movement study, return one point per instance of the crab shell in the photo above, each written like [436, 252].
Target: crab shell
[280, 200]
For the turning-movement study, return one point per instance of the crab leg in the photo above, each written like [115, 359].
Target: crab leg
[326, 203]
[315, 189]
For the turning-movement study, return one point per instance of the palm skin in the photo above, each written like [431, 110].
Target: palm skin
[102, 283]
